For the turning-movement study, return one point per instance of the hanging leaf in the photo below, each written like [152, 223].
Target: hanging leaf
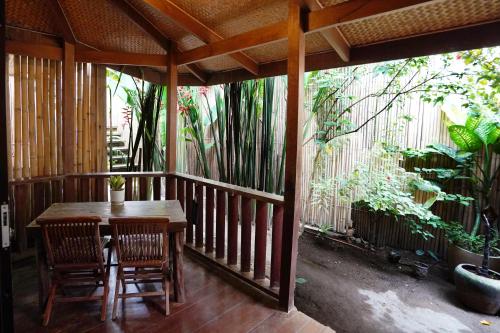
[486, 130]
[464, 138]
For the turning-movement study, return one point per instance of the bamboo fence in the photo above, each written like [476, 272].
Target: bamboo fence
[35, 118]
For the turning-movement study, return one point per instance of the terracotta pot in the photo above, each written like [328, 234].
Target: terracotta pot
[479, 293]
[457, 255]
[117, 197]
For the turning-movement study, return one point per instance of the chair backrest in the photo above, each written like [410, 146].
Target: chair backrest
[72, 241]
[140, 239]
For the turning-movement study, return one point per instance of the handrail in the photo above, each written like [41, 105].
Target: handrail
[235, 189]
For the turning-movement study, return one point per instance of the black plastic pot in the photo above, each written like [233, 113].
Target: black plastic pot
[479, 293]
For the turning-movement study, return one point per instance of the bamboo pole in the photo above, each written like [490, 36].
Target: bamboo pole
[85, 119]
[39, 115]
[98, 119]
[32, 117]
[17, 119]
[25, 118]
[10, 116]
[102, 96]
[59, 120]
[53, 113]
[46, 119]
[92, 119]
[79, 126]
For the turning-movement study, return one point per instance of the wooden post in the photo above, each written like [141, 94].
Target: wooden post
[69, 119]
[171, 157]
[260, 240]
[293, 163]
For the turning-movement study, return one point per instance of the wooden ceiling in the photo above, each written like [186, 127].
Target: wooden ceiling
[224, 40]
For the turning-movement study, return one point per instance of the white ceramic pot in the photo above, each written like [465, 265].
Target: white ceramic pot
[117, 197]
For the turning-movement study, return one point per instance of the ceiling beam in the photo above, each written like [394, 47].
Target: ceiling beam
[164, 41]
[120, 58]
[200, 30]
[333, 35]
[319, 20]
[354, 10]
[464, 38]
[59, 16]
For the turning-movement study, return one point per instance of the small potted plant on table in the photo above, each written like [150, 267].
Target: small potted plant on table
[117, 185]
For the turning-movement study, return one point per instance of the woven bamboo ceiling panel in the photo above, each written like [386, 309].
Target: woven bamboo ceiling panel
[437, 16]
[30, 14]
[100, 24]
[103, 24]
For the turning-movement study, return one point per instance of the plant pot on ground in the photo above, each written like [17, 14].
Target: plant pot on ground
[478, 287]
[117, 185]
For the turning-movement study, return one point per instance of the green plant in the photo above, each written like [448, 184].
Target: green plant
[324, 229]
[116, 183]
[382, 186]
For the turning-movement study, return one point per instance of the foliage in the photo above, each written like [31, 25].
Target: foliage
[240, 116]
[116, 183]
[381, 185]
[457, 235]
[324, 229]
[475, 129]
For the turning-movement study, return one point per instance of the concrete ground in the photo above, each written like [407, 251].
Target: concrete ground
[356, 291]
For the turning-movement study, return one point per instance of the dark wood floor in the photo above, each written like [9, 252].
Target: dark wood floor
[212, 305]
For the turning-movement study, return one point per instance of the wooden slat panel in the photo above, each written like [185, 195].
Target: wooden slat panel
[199, 216]
[260, 240]
[46, 119]
[209, 220]
[52, 115]
[86, 119]
[17, 119]
[25, 118]
[79, 117]
[39, 116]
[32, 118]
[232, 229]
[246, 233]
[276, 245]
[220, 224]
[59, 118]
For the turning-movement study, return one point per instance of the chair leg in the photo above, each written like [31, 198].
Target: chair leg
[50, 304]
[104, 307]
[117, 291]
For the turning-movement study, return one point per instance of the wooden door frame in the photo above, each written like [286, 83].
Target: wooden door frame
[6, 311]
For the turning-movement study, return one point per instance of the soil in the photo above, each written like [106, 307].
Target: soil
[352, 290]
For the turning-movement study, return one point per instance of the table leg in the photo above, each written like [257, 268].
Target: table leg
[43, 273]
[178, 268]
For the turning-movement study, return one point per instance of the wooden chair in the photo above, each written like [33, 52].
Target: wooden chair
[75, 256]
[142, 253]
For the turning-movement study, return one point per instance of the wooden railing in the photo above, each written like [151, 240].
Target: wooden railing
[223, 220]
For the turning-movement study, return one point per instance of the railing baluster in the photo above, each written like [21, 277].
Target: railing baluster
[21, 215]
[189, 212]
[260, 240]
[209, 220]
[220, 231]
[38, 199]
[129, 183]
[199, 215]
[56, 190]
[170, 189]
[143, 188]
[276, 245]
[99, 188]
[246, 233]
[180, 191]
[232, 229]
[157, 188]
[84, 189]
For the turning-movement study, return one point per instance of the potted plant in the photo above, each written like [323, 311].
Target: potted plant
[117, 185]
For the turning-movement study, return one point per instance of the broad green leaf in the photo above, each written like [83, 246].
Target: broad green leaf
[430, 202]
[487, 131]
[472, 122]
[464, 138]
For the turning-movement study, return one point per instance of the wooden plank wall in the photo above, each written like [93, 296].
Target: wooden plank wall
[35, 118]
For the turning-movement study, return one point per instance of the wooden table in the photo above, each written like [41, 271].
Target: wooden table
[170, 208]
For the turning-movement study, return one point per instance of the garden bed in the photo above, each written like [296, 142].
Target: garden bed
[352, 290]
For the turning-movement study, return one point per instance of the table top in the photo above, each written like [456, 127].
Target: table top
[169, 208]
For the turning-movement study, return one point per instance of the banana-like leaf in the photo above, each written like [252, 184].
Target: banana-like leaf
[472, 122]
[487, 131]
[465, 139]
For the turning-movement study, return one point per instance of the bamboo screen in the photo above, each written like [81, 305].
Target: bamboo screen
[36, 118]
